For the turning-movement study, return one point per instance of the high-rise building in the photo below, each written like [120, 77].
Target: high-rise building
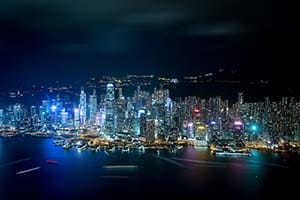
[240, 98]
[64, 117]
[82, 107]
[1, 117]
[110, 109]
[147, 128]
[17, 113]
[142, 125]
[120, 92]
[93, 107]
[121, 113]
[32, 111]
[76, 118]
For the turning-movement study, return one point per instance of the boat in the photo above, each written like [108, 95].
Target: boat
[82, 147]
[58, 142]
[98, 148]
[51, 161]
[126, 149]
[179, 147]
[28, 170]
[141, 149]
[67, 146]
[231, 152]
[227, 153]
[111, 149]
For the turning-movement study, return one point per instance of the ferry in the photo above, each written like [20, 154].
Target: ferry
[232, 152]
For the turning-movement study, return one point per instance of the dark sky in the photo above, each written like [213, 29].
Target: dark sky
[72, 39]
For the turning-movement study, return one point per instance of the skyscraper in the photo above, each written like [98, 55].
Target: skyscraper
[76, 118]
[82, 107]
[93, 107]
[240, 98]
[64, 117]
[120, 112]
[1, 117]
[110, 109]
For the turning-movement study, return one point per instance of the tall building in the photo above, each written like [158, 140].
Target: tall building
[143, 125]
[32, 111]
[1, 117]
[110, 109]
[240, 98]
[93, 107]
[150, 130]
[82, 107]
[120, 92]
[17, 113]
[147, 128]
[64, 117]
[76, 118]
[121, 113]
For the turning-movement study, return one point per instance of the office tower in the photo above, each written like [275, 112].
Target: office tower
[64, 117]
[46, 106]
[110, 109]
[1, 117]
[120, 92]
[93, 107]
[32, 111]
[240, 98]
[150, 130]
[17, 113]
[169, 112]
[76, 118]
[142, 125]
[82, 107]
[121, 108]
[42, 113]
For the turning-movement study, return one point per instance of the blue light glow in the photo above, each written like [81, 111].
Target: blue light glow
[254, 128]
[53, 108]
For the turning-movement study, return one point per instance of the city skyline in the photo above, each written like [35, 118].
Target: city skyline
[192, 117]
[149, 99]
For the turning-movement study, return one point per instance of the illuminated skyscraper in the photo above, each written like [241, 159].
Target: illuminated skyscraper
[17, 112]
[82, 107]
[110, 109]
[1, 117]
[168, 115]
[93, 107]
[120, 112]
[32, 111]
[64, 117]
[76, 118]
[240, 98]
[120, 91]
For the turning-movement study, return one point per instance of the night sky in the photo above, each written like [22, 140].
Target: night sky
[75, 39]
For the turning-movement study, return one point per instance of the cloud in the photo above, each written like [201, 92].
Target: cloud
[218, 29]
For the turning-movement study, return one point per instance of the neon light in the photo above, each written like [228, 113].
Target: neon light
[190, 124]
[213, 123]
[254, 128]
[196, 110]
[238, 123]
